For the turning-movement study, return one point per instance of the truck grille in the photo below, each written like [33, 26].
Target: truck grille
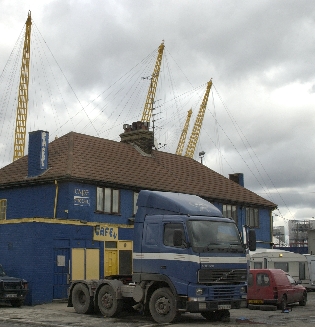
[222, 276]
[224, 293]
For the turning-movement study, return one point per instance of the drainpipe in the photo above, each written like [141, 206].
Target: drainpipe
[271, 230]
[56, 199]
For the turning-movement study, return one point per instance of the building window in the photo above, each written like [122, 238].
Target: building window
[252, 217]
[3, 209]
[230, 211]
[135, 199]
[107, 200]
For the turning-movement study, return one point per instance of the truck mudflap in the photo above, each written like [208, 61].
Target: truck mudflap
[198, 306]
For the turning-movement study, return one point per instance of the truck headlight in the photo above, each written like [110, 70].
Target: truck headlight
[199, 291]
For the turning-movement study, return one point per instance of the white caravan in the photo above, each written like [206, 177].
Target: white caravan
[293, 263]
[311, 268]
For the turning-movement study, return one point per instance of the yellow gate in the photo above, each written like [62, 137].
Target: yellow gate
[85, 263]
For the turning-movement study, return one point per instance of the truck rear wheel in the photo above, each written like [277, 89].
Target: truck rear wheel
[163, 306]
[108, 304]
[81, 299]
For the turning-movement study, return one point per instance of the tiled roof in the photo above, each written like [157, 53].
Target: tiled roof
[95, 160]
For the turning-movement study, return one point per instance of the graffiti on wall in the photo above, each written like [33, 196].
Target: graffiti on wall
[81, 197]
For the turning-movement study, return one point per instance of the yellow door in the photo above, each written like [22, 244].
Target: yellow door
[110, 262]
[92, 263]
[77, 264]
[85, 264]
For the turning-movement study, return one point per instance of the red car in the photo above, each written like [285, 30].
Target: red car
[274, 286]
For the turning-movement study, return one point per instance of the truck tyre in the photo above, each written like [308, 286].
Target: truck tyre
[304, 300]
[283, 304]
[81, 300]
[16, 303]
[108, 304]
[163, 305]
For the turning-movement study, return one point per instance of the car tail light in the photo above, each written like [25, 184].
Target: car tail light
[275, 292]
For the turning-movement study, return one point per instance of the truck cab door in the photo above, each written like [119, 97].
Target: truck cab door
[175, 253]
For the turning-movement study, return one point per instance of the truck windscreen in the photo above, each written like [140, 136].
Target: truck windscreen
[214, 236]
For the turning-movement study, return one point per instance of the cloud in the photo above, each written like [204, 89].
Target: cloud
[89, 57]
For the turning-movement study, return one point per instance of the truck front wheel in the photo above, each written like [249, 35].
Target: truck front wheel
[163, 306]
[108, 304]
[81, 299]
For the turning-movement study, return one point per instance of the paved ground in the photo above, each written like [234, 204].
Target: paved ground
[57, 314]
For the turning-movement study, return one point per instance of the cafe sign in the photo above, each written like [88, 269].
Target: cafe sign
[105, 233]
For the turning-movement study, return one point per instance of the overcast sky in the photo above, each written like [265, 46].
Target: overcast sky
[88, 60]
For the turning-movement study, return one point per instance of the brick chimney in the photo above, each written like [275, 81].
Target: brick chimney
[237, 178]
[138, 133]
[37, 153]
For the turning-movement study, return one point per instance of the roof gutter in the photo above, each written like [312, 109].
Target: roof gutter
[56, 198]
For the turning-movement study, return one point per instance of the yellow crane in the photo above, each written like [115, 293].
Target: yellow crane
[147, 111]
[182, 138]
[21, 111]
[190, 150]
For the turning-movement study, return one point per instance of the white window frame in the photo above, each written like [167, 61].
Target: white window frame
[230, 211]
[252, 217]
[107, 200]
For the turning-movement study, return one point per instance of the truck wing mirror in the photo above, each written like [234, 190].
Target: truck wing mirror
[252, 239]
[178, 237]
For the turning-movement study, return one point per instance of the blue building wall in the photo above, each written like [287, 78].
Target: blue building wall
[29, 251]
[75, 201]
[295, 249]
[29, 202]
[263, 233]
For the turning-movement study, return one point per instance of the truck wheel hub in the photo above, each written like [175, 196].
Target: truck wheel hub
[82, 298]
[162, 305]
[107, 300]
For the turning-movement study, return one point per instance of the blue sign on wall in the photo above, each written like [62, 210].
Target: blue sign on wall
[37, 153]
[44, 149]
